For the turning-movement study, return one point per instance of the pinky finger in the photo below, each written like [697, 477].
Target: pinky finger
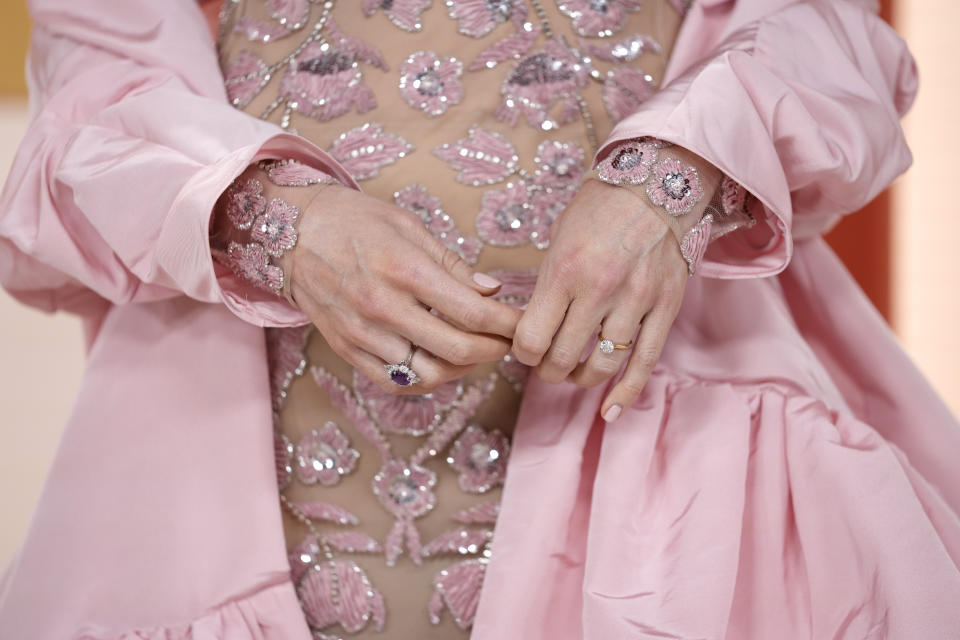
[646, 353]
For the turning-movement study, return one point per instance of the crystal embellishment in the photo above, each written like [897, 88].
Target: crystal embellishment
[606, 346]
[628, 163]
[324, 455]
[431, 83]
[674, 186]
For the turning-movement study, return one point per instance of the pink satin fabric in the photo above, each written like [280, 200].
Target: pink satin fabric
[786, 474]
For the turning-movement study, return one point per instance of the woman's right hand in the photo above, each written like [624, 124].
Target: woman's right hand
[367, 274]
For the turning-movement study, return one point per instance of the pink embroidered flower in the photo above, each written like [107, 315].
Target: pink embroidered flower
[245, 202]
[403, 13]
[483, 157]
[275, 229]
[324, 454]
[481, 458]
[251, 262]
[416, 199]
[283, 458]
[559, 164]
[506, 216]
[458, 589]
[366, 149]
[405, 491]
[598, 18]
[553, 73]
[623, 91]
[674, 187]
[628, 162]
[431, 83]
[339, 592]
[414, 415]
[324, 80]
[244, 77]
[479, 17]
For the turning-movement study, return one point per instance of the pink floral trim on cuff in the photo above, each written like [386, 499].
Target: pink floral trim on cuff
[290, 173]
[694, 243]
[674, 186]
[245, 202]
[629, 162]
[251, 262]
[275, 229]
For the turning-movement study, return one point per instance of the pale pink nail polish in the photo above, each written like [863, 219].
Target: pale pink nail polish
[612, 413]
[488, 282]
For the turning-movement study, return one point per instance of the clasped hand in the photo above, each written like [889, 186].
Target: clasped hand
[368, 281]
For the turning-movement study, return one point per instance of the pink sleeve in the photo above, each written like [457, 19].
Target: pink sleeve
[800, 104]
[131, 142]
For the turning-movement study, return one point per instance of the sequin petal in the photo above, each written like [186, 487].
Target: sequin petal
[480, 455]
[483, 157]
[624, 90]
[366, 149]
[339, 592]
[458, 589]
[244, 77]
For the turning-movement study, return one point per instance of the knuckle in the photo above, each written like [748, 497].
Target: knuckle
[563, 357]
[633, 386]
[458, 353]
[646, 359]
[609, 278]
[473, 316]
[531, 342]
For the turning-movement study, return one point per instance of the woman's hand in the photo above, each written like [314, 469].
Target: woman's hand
[367, 274]
[613, 261]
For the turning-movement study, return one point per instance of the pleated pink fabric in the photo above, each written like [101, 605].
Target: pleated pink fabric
[787, 473]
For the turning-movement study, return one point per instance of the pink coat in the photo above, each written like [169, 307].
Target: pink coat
[786, 474]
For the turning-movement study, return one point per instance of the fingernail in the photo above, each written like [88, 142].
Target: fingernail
[488, 282]
[612, 413]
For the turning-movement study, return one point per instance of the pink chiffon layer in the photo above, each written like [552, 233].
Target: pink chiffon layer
[787, 473]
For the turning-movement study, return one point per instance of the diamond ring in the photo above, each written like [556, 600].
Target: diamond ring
[400, 373]
[609, 346]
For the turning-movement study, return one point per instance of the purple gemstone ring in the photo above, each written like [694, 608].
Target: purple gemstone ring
[400, 373]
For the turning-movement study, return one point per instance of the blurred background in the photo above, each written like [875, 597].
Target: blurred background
[900, 249]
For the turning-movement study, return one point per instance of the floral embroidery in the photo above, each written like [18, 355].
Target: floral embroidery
[366, 149]
[483, 157]
[339, 592]
[624, 50]
[274, 228]
[462, 541]
[479, 17]
[624, 90]
[559, 164]
[481, 458]
[323, 455]
[506, 216]
[694, 243]
[285, 360]
[431, 83]
[245, 202]
[458, 589]
[512, 46]
[413, 415]
[674, 186]
[244, 78]
[556, 72]
[415, 198]
[283, 459]
[251, 262]
[324, 80]
[290, 173]
[629, 162]
[484, 513]
[403, 13]
[733, 196]
[289, 16]
[598, 18]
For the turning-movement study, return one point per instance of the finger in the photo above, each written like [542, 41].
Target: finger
[452, 263]
[436, 289]
[579, 327]
[538, 325]
[447, 342]
[620, 327]
[391, 348]
[643, 359]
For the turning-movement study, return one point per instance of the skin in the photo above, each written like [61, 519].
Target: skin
[614, 261]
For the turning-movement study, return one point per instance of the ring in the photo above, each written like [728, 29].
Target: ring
[400, 373]
[609, 346]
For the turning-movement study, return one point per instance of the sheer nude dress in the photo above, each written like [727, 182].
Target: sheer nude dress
[481, 116]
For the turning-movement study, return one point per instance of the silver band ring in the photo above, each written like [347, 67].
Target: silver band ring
[401, 374]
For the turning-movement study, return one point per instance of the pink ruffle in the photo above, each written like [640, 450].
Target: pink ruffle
[271, 613]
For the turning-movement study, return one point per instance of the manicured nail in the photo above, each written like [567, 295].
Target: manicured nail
[488, 282]
[612, 413]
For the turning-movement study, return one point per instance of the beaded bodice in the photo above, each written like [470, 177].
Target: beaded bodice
[481, 116]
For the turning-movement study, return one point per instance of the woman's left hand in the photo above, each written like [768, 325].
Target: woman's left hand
[613, 261]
